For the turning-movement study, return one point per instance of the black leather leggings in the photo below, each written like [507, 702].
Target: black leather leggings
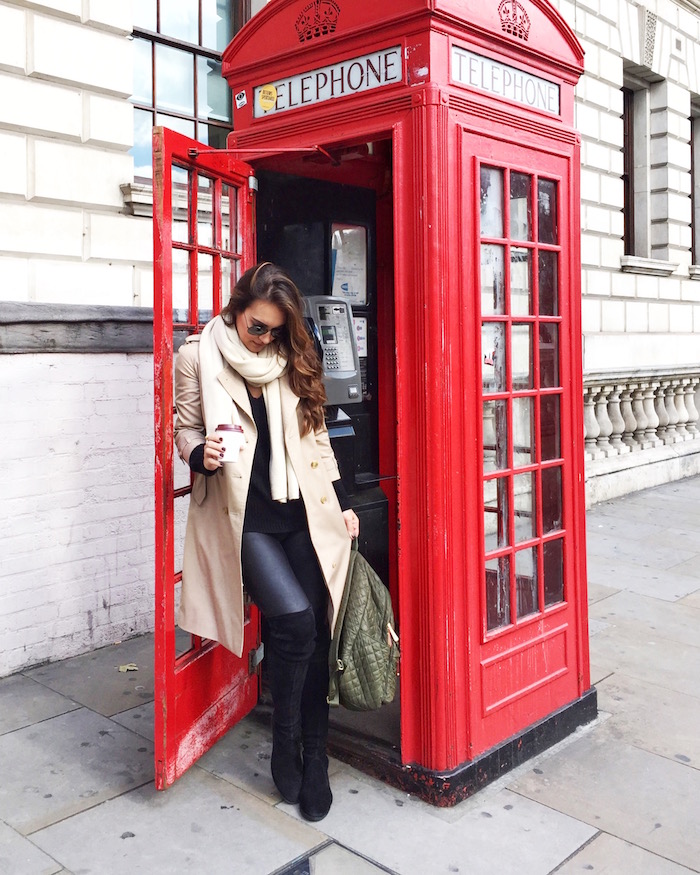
[282, 575]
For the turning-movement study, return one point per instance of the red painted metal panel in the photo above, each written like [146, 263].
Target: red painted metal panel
[201, 693]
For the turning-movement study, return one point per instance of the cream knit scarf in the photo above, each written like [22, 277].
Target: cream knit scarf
[219, 344]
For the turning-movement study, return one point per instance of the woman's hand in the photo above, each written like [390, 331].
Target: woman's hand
[352, 523]
[213, 452]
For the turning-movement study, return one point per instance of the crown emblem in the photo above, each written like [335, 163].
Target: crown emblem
[318, 18]
[514, 19]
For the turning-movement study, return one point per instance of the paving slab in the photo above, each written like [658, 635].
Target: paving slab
[94, 679]
[674, 621]
[24, 701]
[242, 757]
[19, 856]
[54, 769]
[652, 717]
[606, 543]
[597, 592]
[637, 796]
[609, 520]
[648, 580]
[692, 600]
[607, 855]
[689, 568]
[632, 649]
[685, 537]
[409, 837]
[200, 824]
[139, 720]
[333, 860]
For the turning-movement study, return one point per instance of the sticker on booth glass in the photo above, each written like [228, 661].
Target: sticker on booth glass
[241, 99]
[267, 97]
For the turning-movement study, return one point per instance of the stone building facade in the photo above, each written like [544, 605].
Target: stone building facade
[76, 287]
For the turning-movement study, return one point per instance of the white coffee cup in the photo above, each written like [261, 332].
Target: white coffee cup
[232, 440]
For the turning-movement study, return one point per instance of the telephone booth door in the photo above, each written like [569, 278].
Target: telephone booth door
[527, 340]
[203, 241]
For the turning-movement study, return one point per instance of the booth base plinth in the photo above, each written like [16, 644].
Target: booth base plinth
[448, 788]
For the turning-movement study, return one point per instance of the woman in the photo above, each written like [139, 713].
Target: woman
[276, 521]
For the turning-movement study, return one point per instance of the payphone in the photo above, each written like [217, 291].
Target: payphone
[332, 319]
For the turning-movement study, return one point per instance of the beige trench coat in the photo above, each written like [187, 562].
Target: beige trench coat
[212, 588]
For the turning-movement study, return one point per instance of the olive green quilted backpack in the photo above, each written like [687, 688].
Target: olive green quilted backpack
[364, 651]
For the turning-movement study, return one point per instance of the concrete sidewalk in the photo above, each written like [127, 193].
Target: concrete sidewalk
[620, 796]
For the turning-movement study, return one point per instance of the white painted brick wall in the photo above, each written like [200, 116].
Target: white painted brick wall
[77, 566]
[13, 38]
[70, 52]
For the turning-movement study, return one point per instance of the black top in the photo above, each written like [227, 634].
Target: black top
[262, 513]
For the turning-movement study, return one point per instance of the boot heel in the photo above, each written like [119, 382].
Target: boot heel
[315, 798]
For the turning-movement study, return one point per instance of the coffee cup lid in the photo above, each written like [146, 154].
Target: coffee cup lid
[229, 427]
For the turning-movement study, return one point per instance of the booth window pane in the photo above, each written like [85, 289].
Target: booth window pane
[550, 442]
[547, 211]
[520, 209]
[205, 278]
[491, 202]
[493, 283]
[497, 592]
[496, 516]
[493, 352]
[229, 278]
[495, 435]
[205, 215]
[523, 450]
[551, 500]
[180, 202]
[181, 284]
[526, 592]
[520, 282]
[549, 355]
[229, 215]
[525, 507]
[549, 283]
[213, 93]
[553, 556]
[522, 356]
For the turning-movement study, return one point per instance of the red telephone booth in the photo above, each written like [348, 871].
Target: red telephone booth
[444, 129]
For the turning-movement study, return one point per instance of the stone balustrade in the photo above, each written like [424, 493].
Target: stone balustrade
[635, 412]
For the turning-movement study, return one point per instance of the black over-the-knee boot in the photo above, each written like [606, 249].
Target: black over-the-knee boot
[315, 798]
[290, 645]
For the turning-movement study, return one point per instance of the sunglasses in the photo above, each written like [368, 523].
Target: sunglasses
[257, 329]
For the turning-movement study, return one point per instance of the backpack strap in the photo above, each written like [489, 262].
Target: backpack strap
[335, 665]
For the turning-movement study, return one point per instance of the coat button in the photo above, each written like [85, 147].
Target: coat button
[323, 499]
[314, 464]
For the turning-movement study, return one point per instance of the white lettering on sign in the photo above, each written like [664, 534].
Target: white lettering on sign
[486, 74]
[375, 70]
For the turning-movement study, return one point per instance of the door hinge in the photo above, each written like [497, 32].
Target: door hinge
[255, 657]
[253, 183]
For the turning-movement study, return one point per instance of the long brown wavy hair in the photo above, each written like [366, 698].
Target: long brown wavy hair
[268, 282]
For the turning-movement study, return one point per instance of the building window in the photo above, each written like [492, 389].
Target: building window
[636, 169]
[695, 178]
[177, 71]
